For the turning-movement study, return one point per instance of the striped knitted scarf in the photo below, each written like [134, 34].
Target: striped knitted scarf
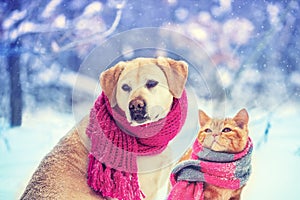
[115, 145]
[225, 170]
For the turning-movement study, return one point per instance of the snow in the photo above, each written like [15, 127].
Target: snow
[273, 11]
[93, 8]
[13, 18]
[51, 8]
[295, 78]
[225, 6]
[275, 162]
[26, 147]
[238, 31]
[60, 21]
[181, 14]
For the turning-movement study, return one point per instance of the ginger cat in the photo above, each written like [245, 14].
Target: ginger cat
[229, 135]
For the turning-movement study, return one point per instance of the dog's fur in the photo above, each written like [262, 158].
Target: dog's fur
[62, 173]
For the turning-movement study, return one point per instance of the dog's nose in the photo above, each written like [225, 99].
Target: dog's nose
[137, 108]
[137, 104]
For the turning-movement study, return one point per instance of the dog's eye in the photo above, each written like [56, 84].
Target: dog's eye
[226, 130]
[151, 84]
[126, 88]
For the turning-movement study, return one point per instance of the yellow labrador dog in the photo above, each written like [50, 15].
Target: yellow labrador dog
[144, 89]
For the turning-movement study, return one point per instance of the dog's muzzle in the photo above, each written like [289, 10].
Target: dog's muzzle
[137, 108]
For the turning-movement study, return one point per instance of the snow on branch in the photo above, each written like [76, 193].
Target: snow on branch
[98, 35]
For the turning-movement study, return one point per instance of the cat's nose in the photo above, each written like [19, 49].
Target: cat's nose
[215, 134]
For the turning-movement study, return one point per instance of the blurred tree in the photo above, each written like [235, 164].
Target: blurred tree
[13, 63]
[16, 104]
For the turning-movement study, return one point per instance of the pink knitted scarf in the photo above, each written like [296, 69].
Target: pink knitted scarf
[115, 145]
[225, 170]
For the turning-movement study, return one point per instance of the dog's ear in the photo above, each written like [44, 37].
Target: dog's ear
[108, 81]
[176, 73]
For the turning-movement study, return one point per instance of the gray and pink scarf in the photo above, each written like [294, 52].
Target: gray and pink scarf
[115, 145]
[225, 170]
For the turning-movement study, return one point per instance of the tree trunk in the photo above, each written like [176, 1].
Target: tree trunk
[16, 103]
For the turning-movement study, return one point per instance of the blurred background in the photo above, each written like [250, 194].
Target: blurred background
[249, 57]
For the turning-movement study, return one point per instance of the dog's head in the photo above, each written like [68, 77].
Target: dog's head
[144, 87]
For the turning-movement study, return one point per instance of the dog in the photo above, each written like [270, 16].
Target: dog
[144, 89]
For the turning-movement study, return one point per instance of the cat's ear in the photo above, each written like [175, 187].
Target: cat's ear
[203, 118]
[241, 118]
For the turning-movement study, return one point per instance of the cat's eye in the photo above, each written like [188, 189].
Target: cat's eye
[226, 130]
[151, 84]
[207, 130]
[126, 88]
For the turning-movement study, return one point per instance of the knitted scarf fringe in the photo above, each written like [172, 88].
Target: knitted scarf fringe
[112, 183]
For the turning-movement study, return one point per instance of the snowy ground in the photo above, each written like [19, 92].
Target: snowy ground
[26, 146]
[276, 162]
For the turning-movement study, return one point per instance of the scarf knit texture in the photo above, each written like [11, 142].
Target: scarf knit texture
[115, 145]
[225, 170]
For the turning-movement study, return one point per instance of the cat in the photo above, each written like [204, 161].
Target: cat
[229, 135]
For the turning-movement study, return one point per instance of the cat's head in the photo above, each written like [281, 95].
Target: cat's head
[224, 135]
